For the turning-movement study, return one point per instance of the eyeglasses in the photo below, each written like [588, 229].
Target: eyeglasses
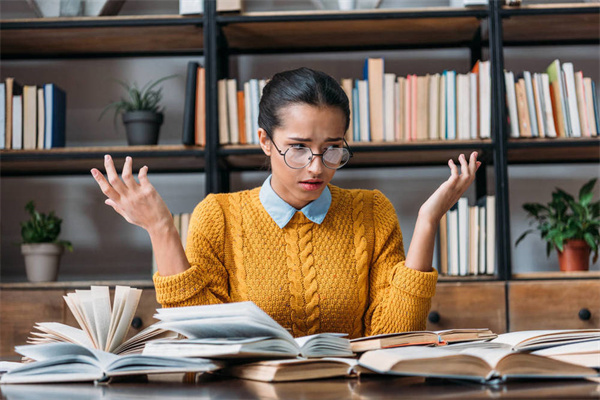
[300, 157]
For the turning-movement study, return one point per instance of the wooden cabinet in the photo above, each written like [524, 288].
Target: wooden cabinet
[20, 309]
[468, 305]
[561, 304]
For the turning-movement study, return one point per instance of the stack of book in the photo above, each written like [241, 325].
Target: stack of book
[31, 117]
[467, 238]
[560, 102]
[384, 107]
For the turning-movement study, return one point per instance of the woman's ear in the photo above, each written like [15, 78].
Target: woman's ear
[265, 141]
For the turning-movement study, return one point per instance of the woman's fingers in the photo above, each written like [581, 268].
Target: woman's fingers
[127, 173]
[113, 177]
[473, 163]
[464, 167]
[106, 188]
[143, 176]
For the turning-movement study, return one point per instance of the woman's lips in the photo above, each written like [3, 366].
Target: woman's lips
[311, 185]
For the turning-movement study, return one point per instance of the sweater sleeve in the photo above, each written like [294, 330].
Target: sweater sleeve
[399, 297]
[206, 281]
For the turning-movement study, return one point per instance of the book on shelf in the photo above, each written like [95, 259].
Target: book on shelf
[55, 116]
[41, 119]
[17, 122]
[581, 106]
[293, 369]
[589, 103]
[13, 88]
[67, 362]
[530, 103]
[238, 330]
[2, 115]
[29, 117]
[571, 99]
[373, 74]
[485, 362]
[102, 327]
[190, 115]
[435, 338]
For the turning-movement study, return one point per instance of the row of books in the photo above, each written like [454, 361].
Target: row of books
[32, 117]
[384, 107]
[182, 222]
[560, 102]
[467, 238]
[241, 340]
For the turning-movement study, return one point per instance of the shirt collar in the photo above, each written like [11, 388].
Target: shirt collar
[282, 212]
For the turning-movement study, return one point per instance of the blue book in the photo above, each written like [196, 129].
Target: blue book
[355, 114]
[55, 114]
[595, 101]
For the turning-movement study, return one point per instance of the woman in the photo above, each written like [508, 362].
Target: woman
[316, 257]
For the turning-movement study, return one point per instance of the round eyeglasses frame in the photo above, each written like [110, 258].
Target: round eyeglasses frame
[312, 155]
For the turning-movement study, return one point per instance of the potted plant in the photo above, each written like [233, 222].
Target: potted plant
[41, 248]
[141, 111]
[571, 227]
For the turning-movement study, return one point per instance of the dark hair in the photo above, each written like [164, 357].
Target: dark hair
[304, 86]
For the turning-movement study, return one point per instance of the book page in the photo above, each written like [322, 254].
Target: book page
[117, 311]
[74, 305]
[65, 332]
[101, 302]
[86, 305]
[535, 339]
[133, 298]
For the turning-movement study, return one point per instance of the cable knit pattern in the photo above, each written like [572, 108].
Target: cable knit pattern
[345, 275]
[360, 244]
[239, 289]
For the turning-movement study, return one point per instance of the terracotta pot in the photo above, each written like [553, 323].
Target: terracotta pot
[575, 256]
[42, 261]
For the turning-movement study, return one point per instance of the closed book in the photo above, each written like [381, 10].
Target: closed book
[29, 117]
[523, 110]
[511, 101]
[422, 109]
[241, 107]
[401, 122]
[13, 88]
[463, 236]
[473, 240]
[482, 237]
[538, 102]
[596, 109]
[453, 240]
[2, 115]
[190, 104]
[363, 104]
[232, 111]
[581, 105]
[17, 122]
[463, 107]
[255, 94]
[200, 120]
[292, 370]
[555, 77]
[474, 102]
[548, 107]
[571, 96]
[408, 106]
[530, 104]
[55, 102]
[248, 108]
[373, 73]
[490, 214]
[558, 110]
[450, 104]
[224, 137]
[356, 114]
[485, 100]
[347, 86]
[589, 102]
[414, 106]
[389, 106]
[434, 106]
[442, 109]
[397, 112]
[41, 119]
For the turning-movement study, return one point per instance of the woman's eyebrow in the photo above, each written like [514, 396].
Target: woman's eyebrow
[306, 140]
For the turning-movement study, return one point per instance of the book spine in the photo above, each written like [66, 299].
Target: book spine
[188, 136]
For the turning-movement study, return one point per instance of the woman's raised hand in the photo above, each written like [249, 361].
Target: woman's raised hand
[450, 191]
[139, 203]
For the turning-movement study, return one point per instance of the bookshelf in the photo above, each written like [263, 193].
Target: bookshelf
[220, 36]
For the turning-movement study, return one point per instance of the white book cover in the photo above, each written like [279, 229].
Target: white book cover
[434, 104]
[474, 102]
[224, 137]
[473, 240]
[485, 93]
[450, 105]
[232, 109]
[2, 115]
[548, 112]
[442, 109]
[49, 111]
[490, 207]
[531, 104]
[255, 100]
[41, 119]
[389, 107]
[453, 239]
[571, 99]
[463, 107]
[482, 239]
[363, 104]
[511, 100]
[17, 117]
[187, 7]
[581, 104]
[463, 236]
[398, 112]
[248, 113]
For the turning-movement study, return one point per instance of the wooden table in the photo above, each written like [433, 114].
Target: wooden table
[211, 387]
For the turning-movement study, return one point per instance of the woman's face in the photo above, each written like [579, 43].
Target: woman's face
[309, 126]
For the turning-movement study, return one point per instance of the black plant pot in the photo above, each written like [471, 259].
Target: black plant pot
[142, 127]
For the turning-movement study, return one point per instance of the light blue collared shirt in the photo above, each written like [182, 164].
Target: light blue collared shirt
[282, 212]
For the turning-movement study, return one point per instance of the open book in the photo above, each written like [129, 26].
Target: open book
[435, 338]
[582, 353]
[534, 340]
[485, 362]
[102, 327]
[293, 369]
[238, 330]
[67, 362]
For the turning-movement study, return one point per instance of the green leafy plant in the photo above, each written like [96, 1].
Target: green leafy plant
[42, 228]
[564, 218]
[145, 99]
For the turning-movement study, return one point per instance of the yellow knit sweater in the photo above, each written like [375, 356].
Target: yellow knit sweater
[344, 275]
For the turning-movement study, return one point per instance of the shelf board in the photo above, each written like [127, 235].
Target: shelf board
[138, 283]
[245, 157]
[543, 150]
[469, 278]
[326, 30]
[79, 160]
[551, 24]
[558, 275]
[100, 36]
